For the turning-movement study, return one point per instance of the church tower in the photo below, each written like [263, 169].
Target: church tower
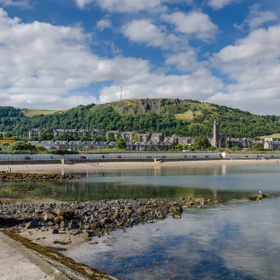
[216, 135]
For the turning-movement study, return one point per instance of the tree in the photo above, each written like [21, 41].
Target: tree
[201, 142]
[80, 147]
[120, 143]
[257, 147]
[45, 136]
[136, 137]
[236, 148]
[99, 138]
[111, 137]
[21, 146]
[8, 135]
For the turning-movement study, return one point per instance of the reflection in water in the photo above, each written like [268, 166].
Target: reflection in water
[217, 183]
[237, 241]
[86, 191]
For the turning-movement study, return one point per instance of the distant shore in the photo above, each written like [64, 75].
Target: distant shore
[84, 167]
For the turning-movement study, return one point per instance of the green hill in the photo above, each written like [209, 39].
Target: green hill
[184, 117]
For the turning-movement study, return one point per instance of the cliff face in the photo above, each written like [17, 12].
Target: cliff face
[140, 106]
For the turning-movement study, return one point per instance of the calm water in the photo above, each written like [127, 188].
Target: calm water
[236, 240]
[218, 182]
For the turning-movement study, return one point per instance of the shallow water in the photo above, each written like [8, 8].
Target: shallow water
[236, 241]
[218, 182]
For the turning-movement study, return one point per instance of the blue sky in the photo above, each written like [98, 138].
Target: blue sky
[58, 54]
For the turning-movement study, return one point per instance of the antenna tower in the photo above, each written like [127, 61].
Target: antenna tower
[121, 94]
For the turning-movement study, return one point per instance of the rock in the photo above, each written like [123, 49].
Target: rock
[49, 216]
[252, 197]
[176, 216]
[201, 201]
[176, 207]
[74, 224]
[89, 233]
[55, 231]
[32, 224]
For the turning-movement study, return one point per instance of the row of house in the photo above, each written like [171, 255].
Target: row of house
[91, 145]
[78, 132]
[143, 142]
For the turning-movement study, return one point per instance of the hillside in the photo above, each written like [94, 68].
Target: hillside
[184, 117]
[31, 113]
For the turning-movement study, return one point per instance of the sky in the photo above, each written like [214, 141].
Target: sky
[58, 54]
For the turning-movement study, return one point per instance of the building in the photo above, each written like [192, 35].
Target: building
[157, 137]
[219, 140]
[269, 143]
[145, 137]
[129, 136]
[78, 132]
[186, 141]
[34, 132]
[115, 132]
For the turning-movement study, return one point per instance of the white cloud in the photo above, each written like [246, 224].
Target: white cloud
[20, 3]
[186, 61]
[199, 85]
[40, 63]
[194, 23]
[122, 5]
[219, 4]
[253, 63]
[257, 18]
[103, 24]
[143, 31]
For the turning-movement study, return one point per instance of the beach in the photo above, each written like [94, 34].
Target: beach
[84, 167]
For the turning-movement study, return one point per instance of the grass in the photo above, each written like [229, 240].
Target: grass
[31, 113]
[186, 116]
[275, 135]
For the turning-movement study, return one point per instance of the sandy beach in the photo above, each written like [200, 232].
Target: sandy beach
[83, 167]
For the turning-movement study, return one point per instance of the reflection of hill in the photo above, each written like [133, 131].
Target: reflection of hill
[86, 191]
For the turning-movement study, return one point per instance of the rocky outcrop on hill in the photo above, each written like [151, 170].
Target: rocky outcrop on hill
[140, 106]
[22, 177]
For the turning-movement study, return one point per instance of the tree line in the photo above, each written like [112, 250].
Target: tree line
[233, 122]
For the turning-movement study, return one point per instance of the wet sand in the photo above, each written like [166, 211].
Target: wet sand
[84, 167]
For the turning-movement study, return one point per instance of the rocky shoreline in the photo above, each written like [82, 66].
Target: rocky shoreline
[34, 177]
[95, 218]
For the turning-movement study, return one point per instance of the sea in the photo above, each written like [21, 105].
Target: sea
[235, 238]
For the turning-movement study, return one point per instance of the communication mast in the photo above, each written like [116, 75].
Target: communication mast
[121, 94]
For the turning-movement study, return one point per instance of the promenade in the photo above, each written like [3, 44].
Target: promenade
[19, 263]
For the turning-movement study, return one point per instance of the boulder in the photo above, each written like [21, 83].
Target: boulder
[32, 224]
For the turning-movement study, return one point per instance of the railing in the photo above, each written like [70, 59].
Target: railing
[134, 157]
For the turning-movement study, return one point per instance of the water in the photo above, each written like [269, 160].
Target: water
[235, 240]
[220, 182]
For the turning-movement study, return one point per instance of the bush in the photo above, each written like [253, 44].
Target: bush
[62, 152]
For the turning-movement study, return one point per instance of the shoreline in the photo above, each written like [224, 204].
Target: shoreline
[84, 167]
[94, 220]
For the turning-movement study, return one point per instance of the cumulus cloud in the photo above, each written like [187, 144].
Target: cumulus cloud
[103, 24]
[15, 3]
[144, 31]
[185, 61]
[194, 23]
[122, 5]
[199, 85]
[219, 4]
[257, 18]
[41, 63]
[253, 64]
